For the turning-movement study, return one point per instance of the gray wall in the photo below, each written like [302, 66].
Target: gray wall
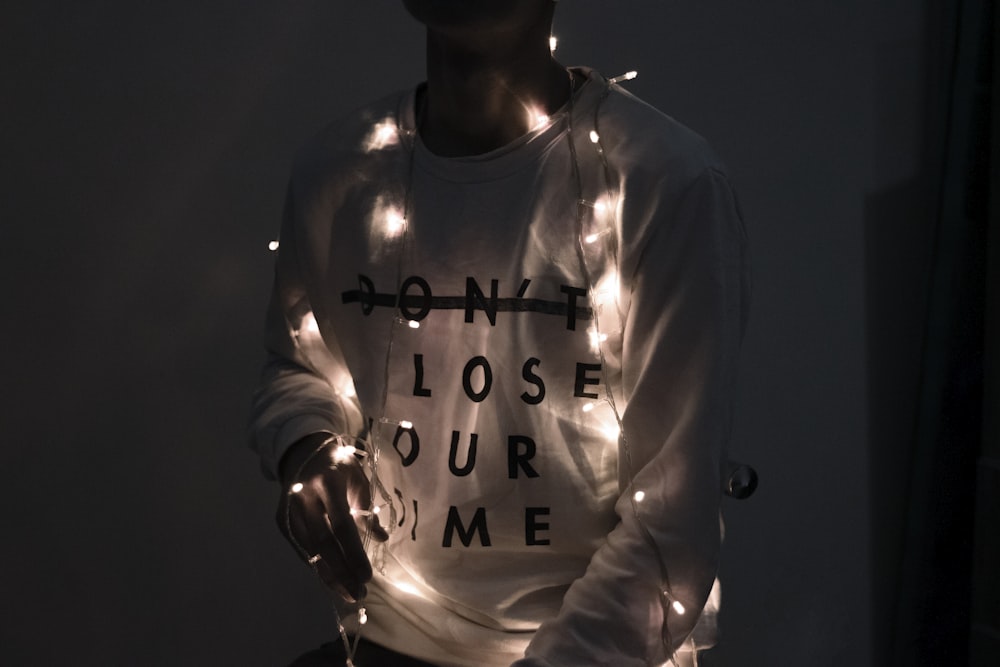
[145, 149]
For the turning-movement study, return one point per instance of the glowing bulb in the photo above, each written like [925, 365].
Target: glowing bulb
[413, 324]
[344, 453]
[627, 76]
[591, 238]
[362, 615]
[611, 431]
[354, 511]
[394, 221]
[607, 288]
[348, 390]
[273, 245]
[601, 206]
[406, 424]
[588, 407]
[678, 607]
[537, 118]
[383, 134]
[553, 43]
[376, 509]
[297, 487]
[639, 495]
[596, 339]
[594, 137]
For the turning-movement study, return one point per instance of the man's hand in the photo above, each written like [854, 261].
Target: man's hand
[316, 516]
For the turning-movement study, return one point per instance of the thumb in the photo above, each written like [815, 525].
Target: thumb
[376, 530]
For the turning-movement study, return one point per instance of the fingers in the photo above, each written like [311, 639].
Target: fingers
[359, 498]
[341, 524]
[318, 521]
[335, 567]
[376, 530]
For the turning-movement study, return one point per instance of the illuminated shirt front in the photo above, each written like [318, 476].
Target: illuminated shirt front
[487, 324]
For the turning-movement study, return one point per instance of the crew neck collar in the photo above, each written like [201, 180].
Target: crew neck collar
[512, 157]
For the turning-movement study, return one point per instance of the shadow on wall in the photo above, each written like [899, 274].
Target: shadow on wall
[898, 232]
[926, 265]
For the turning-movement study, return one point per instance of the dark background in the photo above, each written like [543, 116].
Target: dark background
[145, 148]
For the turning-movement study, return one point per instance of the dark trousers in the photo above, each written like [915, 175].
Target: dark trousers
[332, 654]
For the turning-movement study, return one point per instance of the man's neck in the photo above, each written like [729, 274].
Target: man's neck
[483, 95]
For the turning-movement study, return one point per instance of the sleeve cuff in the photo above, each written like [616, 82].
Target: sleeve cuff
[291, 432]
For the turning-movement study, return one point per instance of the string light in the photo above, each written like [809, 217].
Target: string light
[393, 223]
[382, 135]
[627, 76]
[553, 43]
[537, 119]
[348, 390]
[596, 338]
[404, 424]
[273, 245]
[413, 324]
[601, 207]
[675, 604]
[604, 286]
[607, 288]
[344, 453]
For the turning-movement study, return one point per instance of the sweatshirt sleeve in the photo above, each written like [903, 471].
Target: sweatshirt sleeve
[305, 386]
[683, 328]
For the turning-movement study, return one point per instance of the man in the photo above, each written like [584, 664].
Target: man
[503, 338]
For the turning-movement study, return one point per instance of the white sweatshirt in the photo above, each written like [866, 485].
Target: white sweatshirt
[501, 474]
